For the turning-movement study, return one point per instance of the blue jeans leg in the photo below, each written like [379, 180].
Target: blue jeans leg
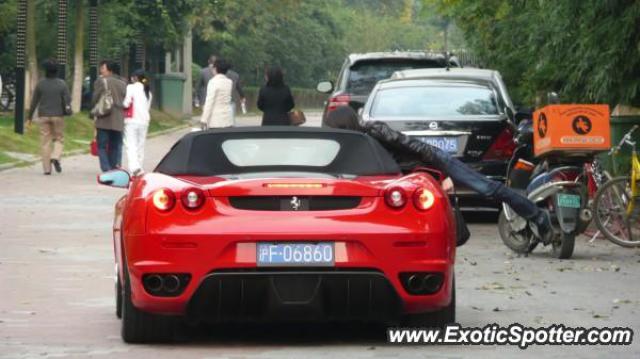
[102, 137]
[115, 149]
[468, 177]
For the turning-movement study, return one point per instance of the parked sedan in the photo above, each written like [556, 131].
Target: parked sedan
[280, 224]
[466, 112]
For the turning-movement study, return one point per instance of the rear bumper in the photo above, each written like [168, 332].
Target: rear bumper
[294, 295]
[366, 275]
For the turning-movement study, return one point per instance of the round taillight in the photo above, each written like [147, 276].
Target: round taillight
[395, 197]
[192, 198]
[164, 199]
[423, 199]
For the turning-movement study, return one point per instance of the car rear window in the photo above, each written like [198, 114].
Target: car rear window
[364, 75]
[311, 152]
[434, 101]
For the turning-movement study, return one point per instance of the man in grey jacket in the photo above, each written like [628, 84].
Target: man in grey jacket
[206, 73]
[51, 99]
[237, 95]
[109, 127]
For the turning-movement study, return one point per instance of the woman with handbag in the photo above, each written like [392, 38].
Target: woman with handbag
[137, 102]
[275, 99]
[51, 98]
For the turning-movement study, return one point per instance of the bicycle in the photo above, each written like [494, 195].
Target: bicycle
[617, 202]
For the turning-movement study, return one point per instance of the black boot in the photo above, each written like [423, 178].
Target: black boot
[541, 226]
[56, 165]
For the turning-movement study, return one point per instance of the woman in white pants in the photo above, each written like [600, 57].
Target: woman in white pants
[137, 102]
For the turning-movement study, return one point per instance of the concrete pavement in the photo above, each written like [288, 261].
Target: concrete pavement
[56, 285]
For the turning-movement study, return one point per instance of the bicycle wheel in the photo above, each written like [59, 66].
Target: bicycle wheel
[610, 206]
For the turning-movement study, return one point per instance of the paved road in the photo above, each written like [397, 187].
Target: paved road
[56, 285]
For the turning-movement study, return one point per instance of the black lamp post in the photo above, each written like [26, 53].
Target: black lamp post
[62, 38]
[21, 34]
[93, 42]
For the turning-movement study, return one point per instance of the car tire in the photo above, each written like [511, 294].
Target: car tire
[118, 297]
[437, 319]
[142, 327]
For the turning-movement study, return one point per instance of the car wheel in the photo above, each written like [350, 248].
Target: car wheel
[437, 319]
[142, 327]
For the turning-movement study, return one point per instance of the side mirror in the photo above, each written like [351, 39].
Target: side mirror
[360, 111]
[509, 112]
[115, 178]
[523, 114]
[325, 86]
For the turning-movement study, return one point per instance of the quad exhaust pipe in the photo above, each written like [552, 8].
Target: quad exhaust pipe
[422, 283]
[166, 285]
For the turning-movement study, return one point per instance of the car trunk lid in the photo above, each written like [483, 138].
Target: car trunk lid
[469, 137]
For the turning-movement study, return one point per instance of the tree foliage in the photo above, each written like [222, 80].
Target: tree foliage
[587, 50]
[309, 39]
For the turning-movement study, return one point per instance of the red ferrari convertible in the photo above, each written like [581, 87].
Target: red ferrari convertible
[280, 224]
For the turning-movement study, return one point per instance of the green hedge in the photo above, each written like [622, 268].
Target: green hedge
[304, 98]
[78, 132]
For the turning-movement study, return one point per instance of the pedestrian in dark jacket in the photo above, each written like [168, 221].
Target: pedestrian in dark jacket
[206, 74]
[109, 127]
[275, 99]
[51, 98]
[410, 152]
[237, 95]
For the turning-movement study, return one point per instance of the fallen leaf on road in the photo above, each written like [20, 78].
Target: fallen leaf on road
[490, 286]
[476, 308]
[496, 309]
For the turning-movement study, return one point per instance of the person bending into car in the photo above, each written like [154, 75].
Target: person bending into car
[410, 152]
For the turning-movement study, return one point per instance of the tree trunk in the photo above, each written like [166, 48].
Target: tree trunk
[32, 58]
[78, 60]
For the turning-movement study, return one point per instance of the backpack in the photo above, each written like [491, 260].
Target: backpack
[105, 103]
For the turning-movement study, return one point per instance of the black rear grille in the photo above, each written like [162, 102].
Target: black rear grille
[294, 296]
[284, 203]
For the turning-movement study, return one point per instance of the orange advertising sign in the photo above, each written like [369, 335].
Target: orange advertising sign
[571, 129]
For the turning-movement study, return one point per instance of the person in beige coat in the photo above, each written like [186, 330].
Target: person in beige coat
[109, 128]
[217, 111]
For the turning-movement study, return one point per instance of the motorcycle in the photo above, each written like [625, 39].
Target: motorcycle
[557, 184]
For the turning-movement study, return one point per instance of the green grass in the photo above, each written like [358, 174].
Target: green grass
[78, 132]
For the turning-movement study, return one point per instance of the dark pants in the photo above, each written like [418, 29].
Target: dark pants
[464, 175]
[109, 149]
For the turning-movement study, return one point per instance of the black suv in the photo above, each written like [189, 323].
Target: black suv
[361, 72]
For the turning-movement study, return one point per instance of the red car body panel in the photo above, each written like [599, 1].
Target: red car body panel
[220, 237]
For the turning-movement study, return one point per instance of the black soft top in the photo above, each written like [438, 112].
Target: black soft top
[200, 153]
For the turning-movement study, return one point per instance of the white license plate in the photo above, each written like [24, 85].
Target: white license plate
[447, 144]
[295, 254]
